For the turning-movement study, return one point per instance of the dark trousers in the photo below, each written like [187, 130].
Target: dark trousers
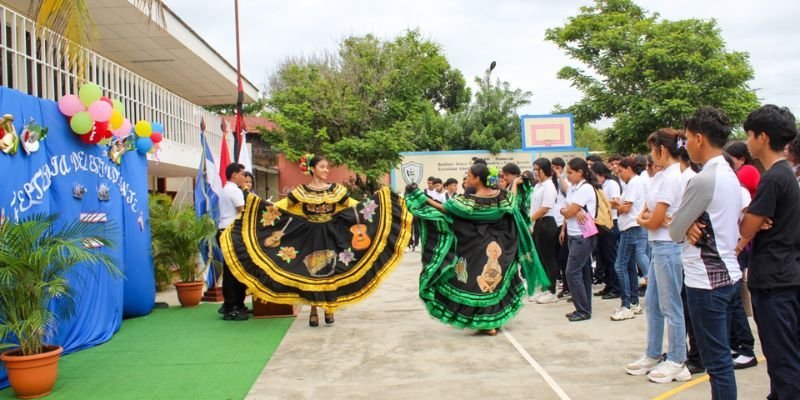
[233, 291]
[607, 258]
[692, 352]
[562, 256]
[414, 242]
[708, 309]
[741, 337]
[579, 272]
[545, 237]
[777, 315]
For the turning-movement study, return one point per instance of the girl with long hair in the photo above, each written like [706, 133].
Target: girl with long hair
[543, 214]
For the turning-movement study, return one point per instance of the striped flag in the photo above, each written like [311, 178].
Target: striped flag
[244, 154]
[206, 201]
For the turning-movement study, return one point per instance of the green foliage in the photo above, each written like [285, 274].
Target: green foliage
[590, 137]
[365, 104]
[177, 234]
[254, 108]
[35, 259]
[490, 122]
[647, 72]
[160, 205]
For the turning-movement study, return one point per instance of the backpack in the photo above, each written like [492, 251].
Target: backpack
[603, 212]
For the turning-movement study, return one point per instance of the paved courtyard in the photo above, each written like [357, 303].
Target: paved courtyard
[387, 347]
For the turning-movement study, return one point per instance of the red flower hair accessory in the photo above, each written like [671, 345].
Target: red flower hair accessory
[304, 160]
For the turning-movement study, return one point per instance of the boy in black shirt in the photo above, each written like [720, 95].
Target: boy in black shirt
[771, 222]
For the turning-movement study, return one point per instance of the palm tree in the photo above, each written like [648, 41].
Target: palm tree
[35, 259]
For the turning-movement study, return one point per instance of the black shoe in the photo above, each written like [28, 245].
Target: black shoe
[221, 309]
[564, 293]
[610, 295]
[751, 363]
[569, 314]
[695, 368]
[579, 317]
[602, 292]
[313, 320]
[236, 315]
[329, 319]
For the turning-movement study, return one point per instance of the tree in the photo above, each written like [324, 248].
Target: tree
[365, 104]
[254, 108]
[590, 137]
[647, 72]
[491, 121]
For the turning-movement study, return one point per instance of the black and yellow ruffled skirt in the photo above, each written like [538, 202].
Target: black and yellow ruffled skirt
[328, 262]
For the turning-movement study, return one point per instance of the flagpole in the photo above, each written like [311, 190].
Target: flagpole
[239, 95]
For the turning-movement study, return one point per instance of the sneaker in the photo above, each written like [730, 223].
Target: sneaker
[536, 297]
[744, 362]
[236, 315]
[547, 298]
[642, 366]
[622, 314]
[669, 371]
[637, 308]
[564, 294]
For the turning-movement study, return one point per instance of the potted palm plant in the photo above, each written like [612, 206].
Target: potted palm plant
[35, 259]
[177, 235]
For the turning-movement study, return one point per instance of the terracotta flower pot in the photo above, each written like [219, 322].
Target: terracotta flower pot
[32, 376]
[190, 293]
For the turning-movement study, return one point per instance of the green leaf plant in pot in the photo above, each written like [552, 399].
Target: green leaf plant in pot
[177, 235]
[35, 260]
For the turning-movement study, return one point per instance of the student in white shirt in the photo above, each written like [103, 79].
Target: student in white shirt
[231, 203]
[606, 254]
[581, 201]
[665, 277]
[543, 213]
[562, 186]
[712, 204]
[632, 249]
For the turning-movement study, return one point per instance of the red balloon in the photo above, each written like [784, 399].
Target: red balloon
[108, 134]
[156, 137]
[107, 100]
[101, 126]
[93, 137]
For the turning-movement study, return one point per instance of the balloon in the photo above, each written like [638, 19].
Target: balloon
[157, 127]
[116, 119]
[156, 137]
[105, 99]
[118, 106]
[101, 127]
[143, 129]
[89, 93]
[70, 105]
[125, 130]
[104, 141]
[81, 123]
[92, 137]
[108, 134]
[100, 111]
[143, 145]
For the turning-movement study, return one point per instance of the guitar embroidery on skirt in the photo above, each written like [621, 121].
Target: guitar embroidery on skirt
[274, 239]
[360, 239]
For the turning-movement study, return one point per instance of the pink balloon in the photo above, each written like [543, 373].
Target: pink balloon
[100, 111]
[124, 130]
[156, 137]
[70, 105]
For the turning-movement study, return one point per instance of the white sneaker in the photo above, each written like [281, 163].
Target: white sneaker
[622, 314]
[535, 297]
[637, 308]
[547, 298]
[642, 366]
[669, 371]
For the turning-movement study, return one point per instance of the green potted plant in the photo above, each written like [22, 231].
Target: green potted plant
[35, 259]
[176, 236]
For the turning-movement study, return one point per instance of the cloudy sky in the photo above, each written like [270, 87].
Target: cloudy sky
[475, 32]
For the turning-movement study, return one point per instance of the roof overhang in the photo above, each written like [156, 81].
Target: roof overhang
[172, 56]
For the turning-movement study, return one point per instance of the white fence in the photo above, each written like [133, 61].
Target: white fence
[33, 63]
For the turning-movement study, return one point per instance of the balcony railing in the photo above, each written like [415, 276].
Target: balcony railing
[32, 62]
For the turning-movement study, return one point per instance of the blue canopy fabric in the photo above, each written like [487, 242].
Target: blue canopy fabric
[43, 182]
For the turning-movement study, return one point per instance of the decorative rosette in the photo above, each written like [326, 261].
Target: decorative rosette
[491, 181]
[304, 160]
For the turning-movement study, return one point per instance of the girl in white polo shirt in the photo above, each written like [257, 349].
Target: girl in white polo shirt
[665, 277]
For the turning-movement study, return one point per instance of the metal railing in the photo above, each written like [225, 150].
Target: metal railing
[32, 62]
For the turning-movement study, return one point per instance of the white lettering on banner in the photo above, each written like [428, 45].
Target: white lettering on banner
[32, 192]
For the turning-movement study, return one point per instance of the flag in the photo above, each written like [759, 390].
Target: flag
[245, 158]
[206, 201]
[239, 126]
[225, 156]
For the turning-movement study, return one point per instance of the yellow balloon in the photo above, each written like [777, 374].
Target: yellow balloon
[143, 129]
[116, 120]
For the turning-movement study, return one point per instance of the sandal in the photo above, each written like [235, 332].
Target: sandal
[313, 320]
[329, 318]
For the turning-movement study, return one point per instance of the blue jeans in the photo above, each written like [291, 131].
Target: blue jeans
[632, 250]
[579, 273]
[664, 281]
[709, 312]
